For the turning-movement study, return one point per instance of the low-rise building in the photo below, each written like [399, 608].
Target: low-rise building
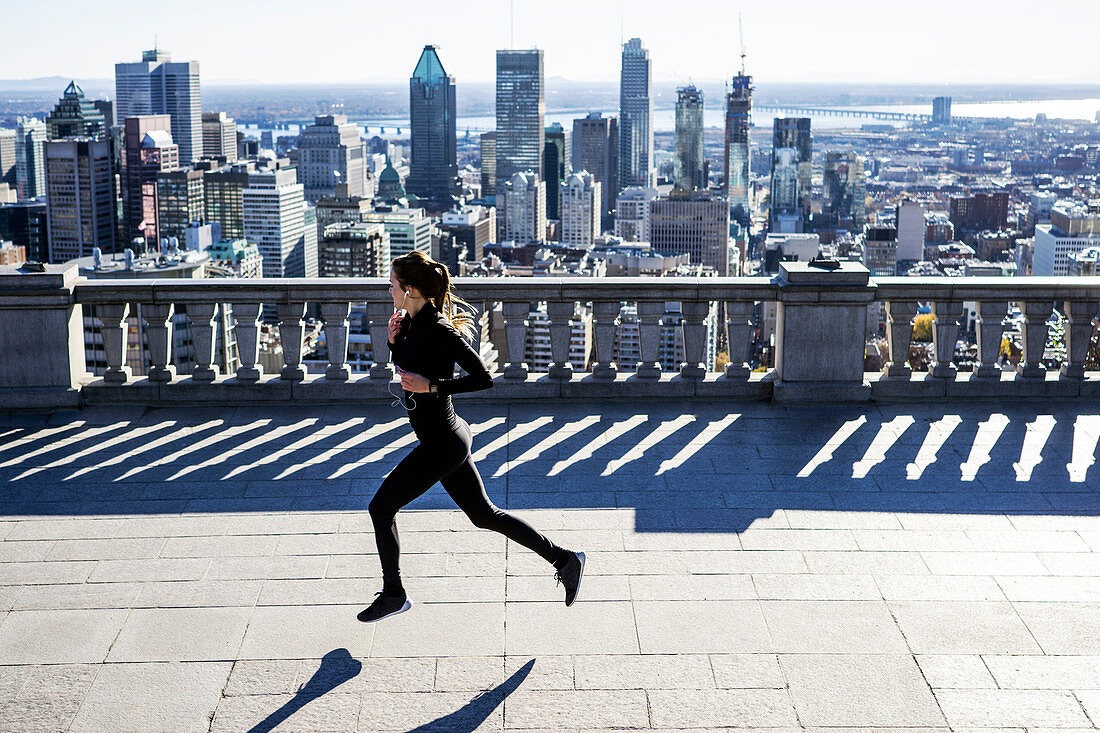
[236, 256]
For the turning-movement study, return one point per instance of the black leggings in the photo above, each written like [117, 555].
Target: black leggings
[445, 458]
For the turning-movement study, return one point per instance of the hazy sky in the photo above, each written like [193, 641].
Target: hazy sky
[787, 40]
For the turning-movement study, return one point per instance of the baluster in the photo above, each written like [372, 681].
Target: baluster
[336, 340]
[1080, 314]
[158, 334]
[991, 315]
[246, 325]
[606, 316]
[944, 335]
[899, 336]
[115, 326]
[291, 335]
[1035, 314]
[694, 327]
[739, 315]
[561, 332]
[378, 322]
[515, 334]
[202, 334]
[649, 338]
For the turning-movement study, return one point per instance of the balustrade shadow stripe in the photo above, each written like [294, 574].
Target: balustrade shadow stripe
[133, 434]
[588, 450]
[58, 444]
[570, 428]
[277, 432]
[666, 428]
[934, 439]
[163, 440]
[230, 432]
[1036, 435]
[370, 433]
[295, 446]
[989, 432]
[37, 434]
[1086, 434]
[826, 452]
[888, 434]
[513, 433]
[713, 429]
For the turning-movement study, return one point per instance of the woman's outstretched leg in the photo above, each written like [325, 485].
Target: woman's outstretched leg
[465, 486]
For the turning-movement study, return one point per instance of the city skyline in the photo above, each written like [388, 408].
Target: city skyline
[938, 44]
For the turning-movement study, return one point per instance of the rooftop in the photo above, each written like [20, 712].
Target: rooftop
[749, 565]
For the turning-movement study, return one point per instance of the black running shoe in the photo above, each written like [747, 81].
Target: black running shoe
[570, 576]
[384, 606]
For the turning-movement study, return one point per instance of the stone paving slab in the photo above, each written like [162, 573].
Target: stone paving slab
[178, 569]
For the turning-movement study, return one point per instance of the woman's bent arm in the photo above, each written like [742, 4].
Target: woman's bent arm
[477, 376]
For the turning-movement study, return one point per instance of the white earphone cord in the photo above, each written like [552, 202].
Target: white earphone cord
[400, 399]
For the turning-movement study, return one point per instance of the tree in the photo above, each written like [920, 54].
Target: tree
[922, 327]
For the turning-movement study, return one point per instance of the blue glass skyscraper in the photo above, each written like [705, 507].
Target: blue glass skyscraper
[433, 167]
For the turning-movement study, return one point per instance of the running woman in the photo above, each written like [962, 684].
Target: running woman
[426, 344]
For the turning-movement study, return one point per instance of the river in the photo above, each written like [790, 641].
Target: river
[664, 119]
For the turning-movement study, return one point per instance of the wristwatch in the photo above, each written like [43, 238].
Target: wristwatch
[433, 387]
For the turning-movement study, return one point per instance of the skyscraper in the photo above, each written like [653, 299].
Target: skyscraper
[735, 170]
[941, 111]
[521, 106]
[82, 200]
[148, 149]
[845, 190]
[524, 208]
[555, 162]
[158, 86]
[635, 117]
[789, 197]
[596, 150]
[219, 136]
[7, 156]
[330, 153]
[280, 223]
[488, 148]
[30, 157]
[75, 116]
[433, 167]
[687, 165]
[580, 209]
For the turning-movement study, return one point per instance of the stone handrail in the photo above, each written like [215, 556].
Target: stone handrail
[820, 336]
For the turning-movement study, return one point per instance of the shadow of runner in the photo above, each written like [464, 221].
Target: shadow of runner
[337, 667]
[467, 718]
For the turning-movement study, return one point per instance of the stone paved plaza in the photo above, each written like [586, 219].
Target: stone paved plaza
[750, 566]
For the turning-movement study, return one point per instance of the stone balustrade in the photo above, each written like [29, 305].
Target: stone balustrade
[821, 329]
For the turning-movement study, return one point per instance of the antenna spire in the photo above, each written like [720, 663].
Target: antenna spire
[741, 34]
[512, 24]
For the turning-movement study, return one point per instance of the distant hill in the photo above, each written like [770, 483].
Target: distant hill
[55, 83]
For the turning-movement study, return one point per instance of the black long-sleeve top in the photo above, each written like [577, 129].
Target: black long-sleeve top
[429, 345]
